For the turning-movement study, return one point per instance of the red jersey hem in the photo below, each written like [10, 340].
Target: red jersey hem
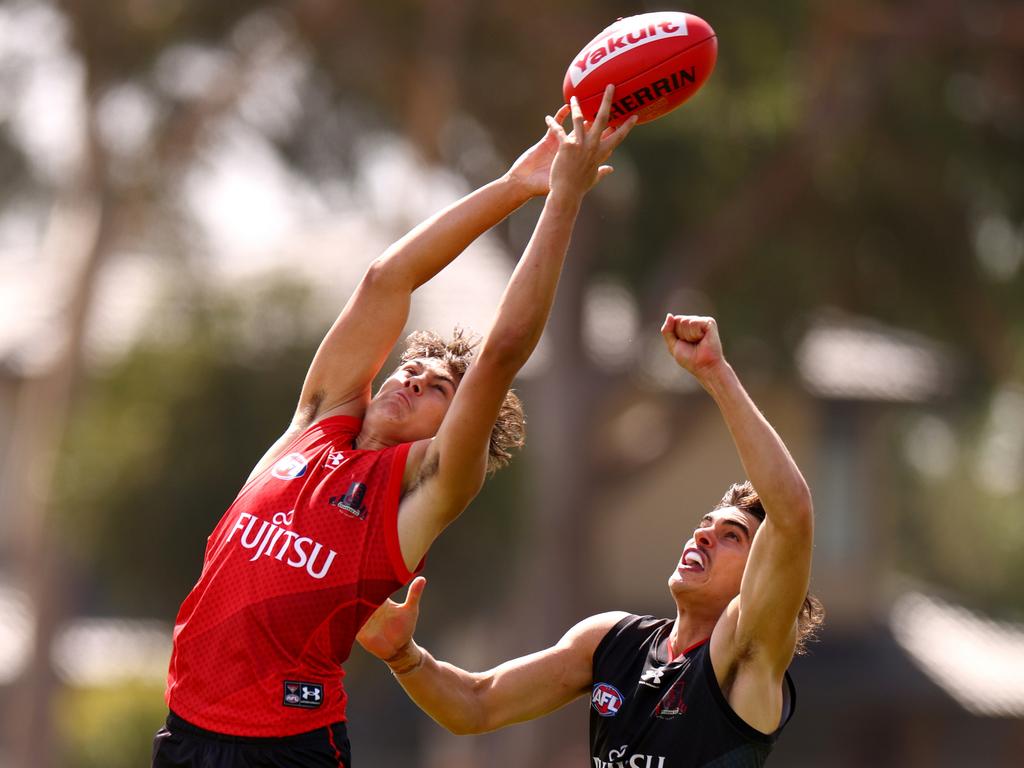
[256, 733]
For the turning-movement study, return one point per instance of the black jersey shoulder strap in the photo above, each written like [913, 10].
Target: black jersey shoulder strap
[628, 632]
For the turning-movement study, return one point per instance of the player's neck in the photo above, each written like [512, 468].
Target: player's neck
[687, 631]
[370, 441]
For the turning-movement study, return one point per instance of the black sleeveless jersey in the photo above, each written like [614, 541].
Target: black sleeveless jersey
[646, 713]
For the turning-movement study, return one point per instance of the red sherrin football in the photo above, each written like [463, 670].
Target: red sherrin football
[655, 60]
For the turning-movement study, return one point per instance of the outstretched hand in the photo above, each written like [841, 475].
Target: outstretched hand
[579, 162]
[388, 631]
[532, 169]
[693, 342]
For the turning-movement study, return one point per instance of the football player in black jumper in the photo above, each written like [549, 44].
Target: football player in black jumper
[707, 689]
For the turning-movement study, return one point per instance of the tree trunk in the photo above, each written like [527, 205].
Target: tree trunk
[76, 239]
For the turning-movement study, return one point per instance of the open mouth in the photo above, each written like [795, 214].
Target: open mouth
[693, 560]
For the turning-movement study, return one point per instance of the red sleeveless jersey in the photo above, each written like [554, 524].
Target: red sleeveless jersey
[303, 556]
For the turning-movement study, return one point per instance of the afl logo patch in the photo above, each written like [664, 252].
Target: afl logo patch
[290, 467]
[606, 700]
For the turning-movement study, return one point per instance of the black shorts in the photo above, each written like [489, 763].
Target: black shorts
[179, 744]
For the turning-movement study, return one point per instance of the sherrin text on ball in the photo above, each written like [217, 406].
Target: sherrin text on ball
[656, 61]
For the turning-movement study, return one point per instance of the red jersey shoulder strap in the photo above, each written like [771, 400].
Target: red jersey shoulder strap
[398, 458]
[345, 427]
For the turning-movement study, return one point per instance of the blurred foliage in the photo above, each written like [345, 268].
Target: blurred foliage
[856, 146]
[958, 526]
[110, 726]
[165, 438]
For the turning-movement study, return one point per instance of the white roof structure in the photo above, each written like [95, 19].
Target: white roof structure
[857, 359]
[86, 651]
[108, 651]
[15, 633]
[977, 661]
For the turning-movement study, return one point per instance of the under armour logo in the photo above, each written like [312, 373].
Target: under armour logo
[302, 694]
[652, 677]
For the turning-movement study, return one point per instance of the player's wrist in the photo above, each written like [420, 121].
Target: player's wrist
[407, 660]
[518, 188]
[718, 378]
[565, 199]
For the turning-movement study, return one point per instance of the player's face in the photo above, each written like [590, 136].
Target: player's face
[411, 404]
[713, 559]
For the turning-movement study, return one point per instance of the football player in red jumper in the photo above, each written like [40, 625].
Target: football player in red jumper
[340, 512]
[709, 688]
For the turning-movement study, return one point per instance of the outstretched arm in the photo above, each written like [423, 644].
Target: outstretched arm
[451, 467]
[477, 702]
[351, 354]
[777, 574]
[368, 327]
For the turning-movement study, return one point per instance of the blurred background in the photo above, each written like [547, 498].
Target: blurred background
[189, 191]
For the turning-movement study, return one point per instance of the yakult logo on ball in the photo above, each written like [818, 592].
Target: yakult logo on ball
[619, 40]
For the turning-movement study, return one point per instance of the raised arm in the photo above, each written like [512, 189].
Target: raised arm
[349, 357]
[777, 573]
[477, 702]
[357, 344]
[451, 466]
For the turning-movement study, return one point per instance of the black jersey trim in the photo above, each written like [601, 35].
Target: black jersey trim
[629, 623]
[609, 637]
[741, 725]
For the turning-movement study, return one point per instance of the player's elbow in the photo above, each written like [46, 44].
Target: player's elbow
[383, 276]
[473, 716]
[799, 517]
[803, 503]
[791, 509]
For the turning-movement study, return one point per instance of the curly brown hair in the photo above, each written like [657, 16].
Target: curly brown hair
[456, 354]
[812, 612]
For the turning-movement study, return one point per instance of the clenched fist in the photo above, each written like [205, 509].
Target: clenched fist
[693, 342]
